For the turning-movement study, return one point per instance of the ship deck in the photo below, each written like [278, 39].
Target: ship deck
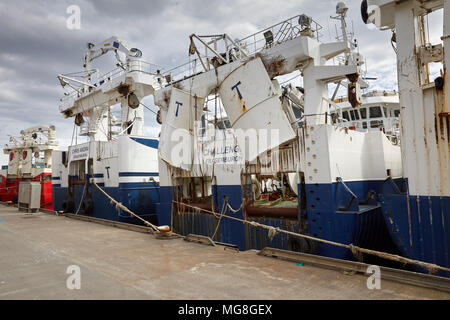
[116, 263]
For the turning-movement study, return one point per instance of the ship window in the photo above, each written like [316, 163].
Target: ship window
[352, 114]
[77, 169]
[203, 126]
[345, 115]
[363, 113]
[375, 112]
[376, 123]
[227, 124]
[195, 188]
[297, 112]
[364, 125]
[385, 112]
[397, 113]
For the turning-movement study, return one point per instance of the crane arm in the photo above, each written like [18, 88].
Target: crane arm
[110, 44]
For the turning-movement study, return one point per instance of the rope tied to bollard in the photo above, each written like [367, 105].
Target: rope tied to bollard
[119, 206]
[356, 251]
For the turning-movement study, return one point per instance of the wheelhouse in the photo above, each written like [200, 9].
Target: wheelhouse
[379, 111]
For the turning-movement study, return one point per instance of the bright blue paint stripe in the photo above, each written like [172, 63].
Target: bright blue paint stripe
[152, 143]
[138, 174]
[2, 221]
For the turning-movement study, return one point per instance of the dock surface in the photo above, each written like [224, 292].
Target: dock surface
[36, 250]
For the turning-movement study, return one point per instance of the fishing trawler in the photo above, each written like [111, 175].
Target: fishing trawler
[30, 159]
[107, 109]
[280, 156]
[418, 215]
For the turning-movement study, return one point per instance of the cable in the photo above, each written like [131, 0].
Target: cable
[82, 198]
[290, 79]
[148, 108]
[73, 133]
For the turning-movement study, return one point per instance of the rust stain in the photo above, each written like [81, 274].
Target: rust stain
[448, 129]
[178, 85]
[166, 97]
[158, 117]
[68, 113]
[123, 89]
[274, 65]
[244, 108]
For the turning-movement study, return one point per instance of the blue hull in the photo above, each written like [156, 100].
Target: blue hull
[420, 227]
[140, 198]
[331, 213]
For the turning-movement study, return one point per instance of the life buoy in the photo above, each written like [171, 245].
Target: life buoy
[24, 154]
[11, 155]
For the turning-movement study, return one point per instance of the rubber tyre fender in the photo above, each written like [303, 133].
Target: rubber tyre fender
[67, 205]
[87, 206]
[364, 13]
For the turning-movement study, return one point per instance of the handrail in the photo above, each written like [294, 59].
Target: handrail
[338, 108]
[282, 31]
[315, 30]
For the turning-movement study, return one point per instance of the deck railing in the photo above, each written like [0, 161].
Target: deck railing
[222, 47]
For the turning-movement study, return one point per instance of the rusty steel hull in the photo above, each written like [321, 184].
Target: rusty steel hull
[364, 226]
[420, 227]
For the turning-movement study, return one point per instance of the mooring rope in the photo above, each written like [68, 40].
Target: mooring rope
[234, 210]
[431, 267]
[120, 206]
[82, 198]
[222, 212]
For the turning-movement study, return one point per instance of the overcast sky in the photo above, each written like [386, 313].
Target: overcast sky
[36, 45]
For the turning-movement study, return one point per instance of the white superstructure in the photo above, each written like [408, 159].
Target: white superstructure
[379, 110]
[277, 136]
[31, 153]
[117, 156]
